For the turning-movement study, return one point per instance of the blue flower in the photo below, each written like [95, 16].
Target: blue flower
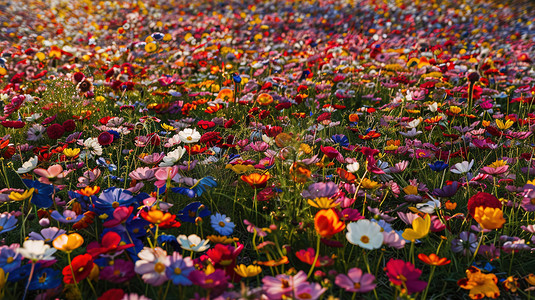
[179, 269]
[167, 239]
[222, 224]
[9, 259]
[192, 211]
[68, 216]
[20, 273]
[8, 222]
[340, 139]
[44, 279]
[42, 195]
[438, 166]
[112, 198]
[102, 162]
[236, 78]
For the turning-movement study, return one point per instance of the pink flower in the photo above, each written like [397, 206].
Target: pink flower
[54, 172]
[153, 159]
[283, 285]
[152, 265]
[355, 281]
[144, 173]
[164, 174]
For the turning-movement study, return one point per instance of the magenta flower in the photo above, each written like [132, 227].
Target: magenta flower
[144, 173]
[283, 285]
[355, 281]
[404, 274]
[120, 271]
[216, 281]
[153, 158]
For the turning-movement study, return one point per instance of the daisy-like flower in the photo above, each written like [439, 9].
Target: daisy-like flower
[35, 132]
[193, 243]
[189, 135]
[365, 234]
[28, 165]
[93, 146]
[462, 167]
[36, 250]
[172, 157]
[179, 269]
[152, 265]
[355, 281]
[222, 224]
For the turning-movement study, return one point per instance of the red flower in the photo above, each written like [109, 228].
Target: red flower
[211, 138]
[273, 131]
[13, 124]
[229, 123]
[81, 267]
[330, 152]
[205, 124]
[55, 131]
[112, 294]
[69, 125]
[482, 199]
[405, 274]
[307, 256]
[111, 243]
[105, 138]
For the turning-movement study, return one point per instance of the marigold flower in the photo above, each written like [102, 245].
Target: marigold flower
[264, 99]
[327, 223]
[489, 217]
[156, 216]
[479, 284]
[19, 197]
[89, 191]
[433, 259]
[369, 184]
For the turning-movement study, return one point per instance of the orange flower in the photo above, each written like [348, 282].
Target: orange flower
[256, 180]
[433, 259]
[479, 284]
[450, 205]
[68, 243]
[273, 263]
[489, 217]
[226, 95]
[89, 191]
[353, 118]
[156, 216]
[327, 223]
[264, 99]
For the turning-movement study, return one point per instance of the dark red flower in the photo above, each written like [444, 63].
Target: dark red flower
[13, 124]
[405, 275]
[482, 199]
[229, 123]
[273, 131]
[69, 125]
[78, 76]
[205, 124]
[211, 138]
[105, 138]
[112, 294]
[81, 267]
[55, 131]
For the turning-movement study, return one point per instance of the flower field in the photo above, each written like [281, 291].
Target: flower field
[267, 149]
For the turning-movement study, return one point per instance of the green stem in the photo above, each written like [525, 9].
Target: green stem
[316, 257]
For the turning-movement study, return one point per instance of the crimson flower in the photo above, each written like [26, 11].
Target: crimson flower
[13, 124]
[111, 243]
[55, 131]
[482, 199]
[404, 274]
[81, 268]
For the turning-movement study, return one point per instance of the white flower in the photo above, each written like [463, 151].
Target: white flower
[193, 243]
[365, 234]
[174, 140]
[189, 135]
[152, 265]
[267, 139]
[28, 166]
[414, 123]
[411, 133]
[93, 146]
[172, 157]
[36, 250]
[430, 206]
[35, 132]
[33, 117]
[433, 107]
[462, 167]
[352, 168]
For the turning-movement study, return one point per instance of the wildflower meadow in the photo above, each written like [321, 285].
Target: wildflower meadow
[254, 149]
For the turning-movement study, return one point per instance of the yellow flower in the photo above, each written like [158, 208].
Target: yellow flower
[455, 109]
[489, 217]
[410, 190]
[168, 127]
[240, 169]
[498, 163]
[479, 284]
[530, 279]
[71, 152]
[322, 202]
[19, 197]
[3, 279]
[420, 228]
[485, 123]
[305, 148]
[369, 184]
[150, 47]
[248, 271]
[68, 243]
[221, 239]
[503, 126]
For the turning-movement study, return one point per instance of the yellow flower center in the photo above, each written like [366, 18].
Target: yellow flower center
[178, 271]
[136, 230]
[81, 269]
[192, 245]
[1, 228]
[285, 283]
[116, 272]
[305, 296]
[159, 267]
[365, 239]
[68, 218]
[115, 204]
[356, 285]
[209, 281]
[222, 224]
[42, 279]
[189, 138]
[532, 201]
[10, 259]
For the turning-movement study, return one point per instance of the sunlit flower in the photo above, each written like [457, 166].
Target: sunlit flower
[479, 284]
[489, 217]
[327, 223]
[365, 234]
[420, 228]
[193, 243]
[433, 259]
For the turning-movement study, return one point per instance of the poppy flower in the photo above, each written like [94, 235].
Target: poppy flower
[110, 243]
[307, 256]
[13, 124]
[80, 268]
[433, 259]
[256, 180]
[327, 223]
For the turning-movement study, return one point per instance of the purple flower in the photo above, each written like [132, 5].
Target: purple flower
[47, 234]
[68, 216]
[355, 281]
[447, 191]
[466, 243]
[283, 285]
[320, 189]
[216, 281]
[120, 271]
